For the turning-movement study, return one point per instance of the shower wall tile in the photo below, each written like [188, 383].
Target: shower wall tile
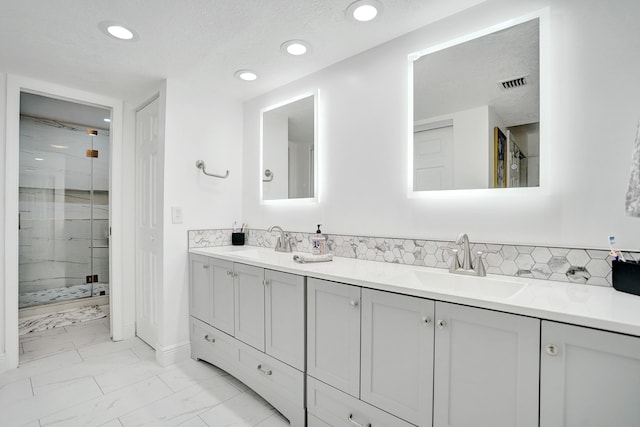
[572, 265]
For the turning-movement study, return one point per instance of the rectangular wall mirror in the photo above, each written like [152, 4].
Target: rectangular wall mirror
[289, 145]
[476, 112]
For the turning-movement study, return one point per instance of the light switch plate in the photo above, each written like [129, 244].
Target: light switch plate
[176, 214]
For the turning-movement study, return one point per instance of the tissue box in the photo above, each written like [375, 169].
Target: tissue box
[237, 239]
[626, 276]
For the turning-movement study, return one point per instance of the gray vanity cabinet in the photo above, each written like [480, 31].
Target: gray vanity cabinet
[374, 345]
[397, 354]
[486, 368]
[249, 305]
[588, 377]
[211, 291]
[333, 334]
[285, 317]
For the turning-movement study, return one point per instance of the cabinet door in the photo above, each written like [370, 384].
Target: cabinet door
[486, 368]
[333, 334]
[222, 295]
[284, 317]
[397, 354]
[249, 305]
[200, 303]
[588, 377]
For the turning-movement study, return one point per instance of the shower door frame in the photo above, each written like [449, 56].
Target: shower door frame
[14, 86]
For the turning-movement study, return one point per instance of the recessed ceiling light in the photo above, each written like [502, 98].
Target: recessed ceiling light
[118, 31]
[38, 159]
[108, 120]
[364, 10]
[246, 75]
[59, 146]
[295, 47]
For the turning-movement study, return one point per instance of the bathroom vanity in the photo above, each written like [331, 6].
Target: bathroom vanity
[353, 342]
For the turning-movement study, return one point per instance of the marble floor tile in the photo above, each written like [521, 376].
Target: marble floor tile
[16, 391]
[180, 407]
[118, 378]
[188, 373]
[98, 411]
[275, 420]
[194, 422]
[46, 346]
[116, 384]
[246, 410]
[41, 365]
[91, 367]
[109, 347]
[36, 407]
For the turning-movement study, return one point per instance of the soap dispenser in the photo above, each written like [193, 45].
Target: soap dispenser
[317, 242]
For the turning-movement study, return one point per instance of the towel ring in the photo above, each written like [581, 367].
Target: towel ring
[269, 174]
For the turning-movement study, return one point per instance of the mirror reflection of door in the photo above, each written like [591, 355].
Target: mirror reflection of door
[492, 80]
[433, 157]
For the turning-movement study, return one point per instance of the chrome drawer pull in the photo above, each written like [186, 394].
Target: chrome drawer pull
[355, 423]
[206, 337]
[266, 372]
[354, 303]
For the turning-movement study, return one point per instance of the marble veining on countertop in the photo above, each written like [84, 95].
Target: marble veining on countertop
[592, 306]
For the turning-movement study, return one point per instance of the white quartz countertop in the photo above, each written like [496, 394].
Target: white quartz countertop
[586, 305]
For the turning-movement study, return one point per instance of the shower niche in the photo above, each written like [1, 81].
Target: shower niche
[63, 201]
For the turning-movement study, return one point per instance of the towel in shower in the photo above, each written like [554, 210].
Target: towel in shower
[633, 193]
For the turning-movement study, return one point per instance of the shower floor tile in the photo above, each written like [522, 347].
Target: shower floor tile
[47, 296]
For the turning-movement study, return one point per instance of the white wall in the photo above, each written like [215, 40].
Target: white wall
[199, 125]
[3, 288]
[587, 135]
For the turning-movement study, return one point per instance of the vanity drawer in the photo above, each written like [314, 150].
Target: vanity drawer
[338, 409]
[212, 345]
[272, 374]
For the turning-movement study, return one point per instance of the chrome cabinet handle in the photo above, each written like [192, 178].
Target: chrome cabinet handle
[264, 371]
[427, 320]
[206, 337]
[229, 273]
[354, 303]
[441, 323]
[355, 423]
[266, 282]
[551, 349]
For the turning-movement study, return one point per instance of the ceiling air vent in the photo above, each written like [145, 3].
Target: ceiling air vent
[513, 83]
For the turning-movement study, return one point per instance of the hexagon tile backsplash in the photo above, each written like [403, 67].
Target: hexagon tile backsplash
[592, 267]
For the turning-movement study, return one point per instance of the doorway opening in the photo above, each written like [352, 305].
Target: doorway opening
[63, 196]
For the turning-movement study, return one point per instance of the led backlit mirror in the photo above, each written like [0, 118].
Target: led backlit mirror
[289, 150]
[476, 112]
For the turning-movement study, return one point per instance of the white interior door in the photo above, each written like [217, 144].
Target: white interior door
[148, 222]
[433, 159]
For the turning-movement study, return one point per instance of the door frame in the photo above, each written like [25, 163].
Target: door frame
[15, 85]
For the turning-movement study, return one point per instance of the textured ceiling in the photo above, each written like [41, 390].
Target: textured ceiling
[466, 76]
[204, 41]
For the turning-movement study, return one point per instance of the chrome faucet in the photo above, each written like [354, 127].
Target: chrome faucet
[469, 266]
[283, 244]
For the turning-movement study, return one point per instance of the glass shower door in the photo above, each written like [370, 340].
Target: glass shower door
[63, 218]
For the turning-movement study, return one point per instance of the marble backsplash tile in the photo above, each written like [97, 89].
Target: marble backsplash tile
[589, 266]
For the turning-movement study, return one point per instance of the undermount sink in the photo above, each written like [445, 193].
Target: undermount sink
[464, 285]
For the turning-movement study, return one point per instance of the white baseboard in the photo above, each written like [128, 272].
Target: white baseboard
[173, 354]
[4, 363]
[129, 331]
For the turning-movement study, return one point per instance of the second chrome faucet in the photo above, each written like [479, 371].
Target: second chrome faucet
[469, 266]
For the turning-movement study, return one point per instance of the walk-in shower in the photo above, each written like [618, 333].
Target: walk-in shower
[63, 201]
